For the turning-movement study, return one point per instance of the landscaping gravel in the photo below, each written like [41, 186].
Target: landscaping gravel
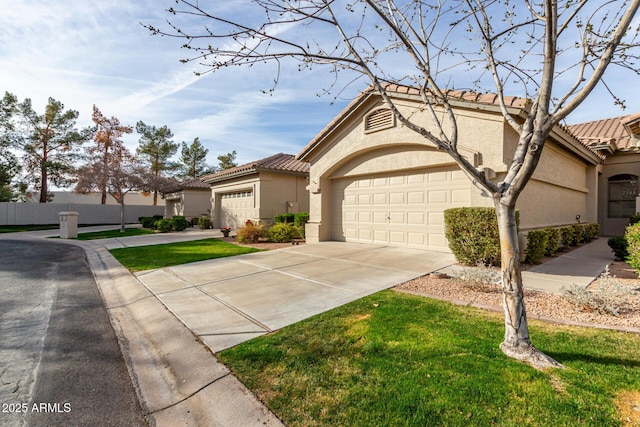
[623, 291]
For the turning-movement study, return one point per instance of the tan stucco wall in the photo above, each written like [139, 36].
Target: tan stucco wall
[188, 203]
[562, 187]
[282, 193]
[620, 163]
[272, 193]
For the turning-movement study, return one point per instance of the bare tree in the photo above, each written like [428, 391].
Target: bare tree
[118, 173]
[108, 144]
[527, 48]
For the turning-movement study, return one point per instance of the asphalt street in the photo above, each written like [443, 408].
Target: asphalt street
[60, 363]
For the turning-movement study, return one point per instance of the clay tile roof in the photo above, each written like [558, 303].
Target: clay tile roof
[462, 95]
[466, 96]
[278, 162]
[195, 183]
[606, 131]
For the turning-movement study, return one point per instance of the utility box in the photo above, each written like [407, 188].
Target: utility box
[68, 225]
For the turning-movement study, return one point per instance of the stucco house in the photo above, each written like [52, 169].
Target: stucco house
[374, 181]
[618, 140]
[258, 190]
[191, 199]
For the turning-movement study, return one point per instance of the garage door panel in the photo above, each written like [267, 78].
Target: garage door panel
[399, 208]
[438, 196]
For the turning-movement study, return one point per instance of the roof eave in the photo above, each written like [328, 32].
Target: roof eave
[229, 176]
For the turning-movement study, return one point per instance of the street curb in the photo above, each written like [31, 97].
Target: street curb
[177, 379]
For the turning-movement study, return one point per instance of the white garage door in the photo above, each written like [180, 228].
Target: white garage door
[236, 208]
[400, 209]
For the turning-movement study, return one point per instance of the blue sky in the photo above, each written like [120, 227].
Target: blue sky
[96, 52]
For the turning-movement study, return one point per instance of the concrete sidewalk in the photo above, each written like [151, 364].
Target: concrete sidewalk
[580, 267]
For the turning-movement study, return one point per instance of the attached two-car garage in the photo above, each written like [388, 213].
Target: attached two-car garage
[402, 208]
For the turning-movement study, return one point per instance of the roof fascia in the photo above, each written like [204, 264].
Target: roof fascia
[233, 175]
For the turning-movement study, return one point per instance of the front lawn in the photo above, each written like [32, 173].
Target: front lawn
[394, 359]
[108, 234]
[158, 256]
[22, 228]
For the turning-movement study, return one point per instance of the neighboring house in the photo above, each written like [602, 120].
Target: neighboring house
[259, 190]
[191, 199]
[618, 139]
[375, 181]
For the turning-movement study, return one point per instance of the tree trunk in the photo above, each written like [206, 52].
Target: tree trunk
[517, 343]
[43, 184]
[122, 227]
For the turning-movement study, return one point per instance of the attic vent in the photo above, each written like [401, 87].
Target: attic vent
[379, 119]
[634, 128]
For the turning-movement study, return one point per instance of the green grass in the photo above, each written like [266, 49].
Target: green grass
[393, 359]
[21, 228]
[108, 234]
[159, 256]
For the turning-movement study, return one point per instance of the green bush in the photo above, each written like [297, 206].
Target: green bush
[250, 233]
[148, 222]
[619, 247]
[634, 219]
[286, 218]
[553, 241]
[473, 234]
[204, 223]
[164, 225]
[300, 221]
[592, 231]
[180, 223]
[632, 236]
[283, 232]
[536, 246]
[570, 236]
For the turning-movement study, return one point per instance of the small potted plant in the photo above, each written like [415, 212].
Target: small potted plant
[225, 231]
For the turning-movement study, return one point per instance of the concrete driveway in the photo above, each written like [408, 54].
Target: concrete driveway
[230, 300]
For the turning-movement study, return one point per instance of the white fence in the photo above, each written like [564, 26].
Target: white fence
[47, 213]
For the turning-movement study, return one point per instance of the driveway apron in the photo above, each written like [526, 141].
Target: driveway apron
[227, 301]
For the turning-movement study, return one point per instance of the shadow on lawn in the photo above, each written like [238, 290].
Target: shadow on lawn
[577, 357]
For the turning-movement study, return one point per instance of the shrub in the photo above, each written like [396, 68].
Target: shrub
[250, 233]
[606, 300]
[148, 222]
[553, 241]
[634, 219]
[632, 236]
[180, 223]
[286, 218]
[536, 246]
[571, 235]
[592, 231]
[619, 245]
[204, 223]
[300, 220]
[283, 232]
[473, 235]
[164, 225]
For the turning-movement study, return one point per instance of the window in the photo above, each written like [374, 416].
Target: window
[237, 195]
[379, 119]
[623, 190]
